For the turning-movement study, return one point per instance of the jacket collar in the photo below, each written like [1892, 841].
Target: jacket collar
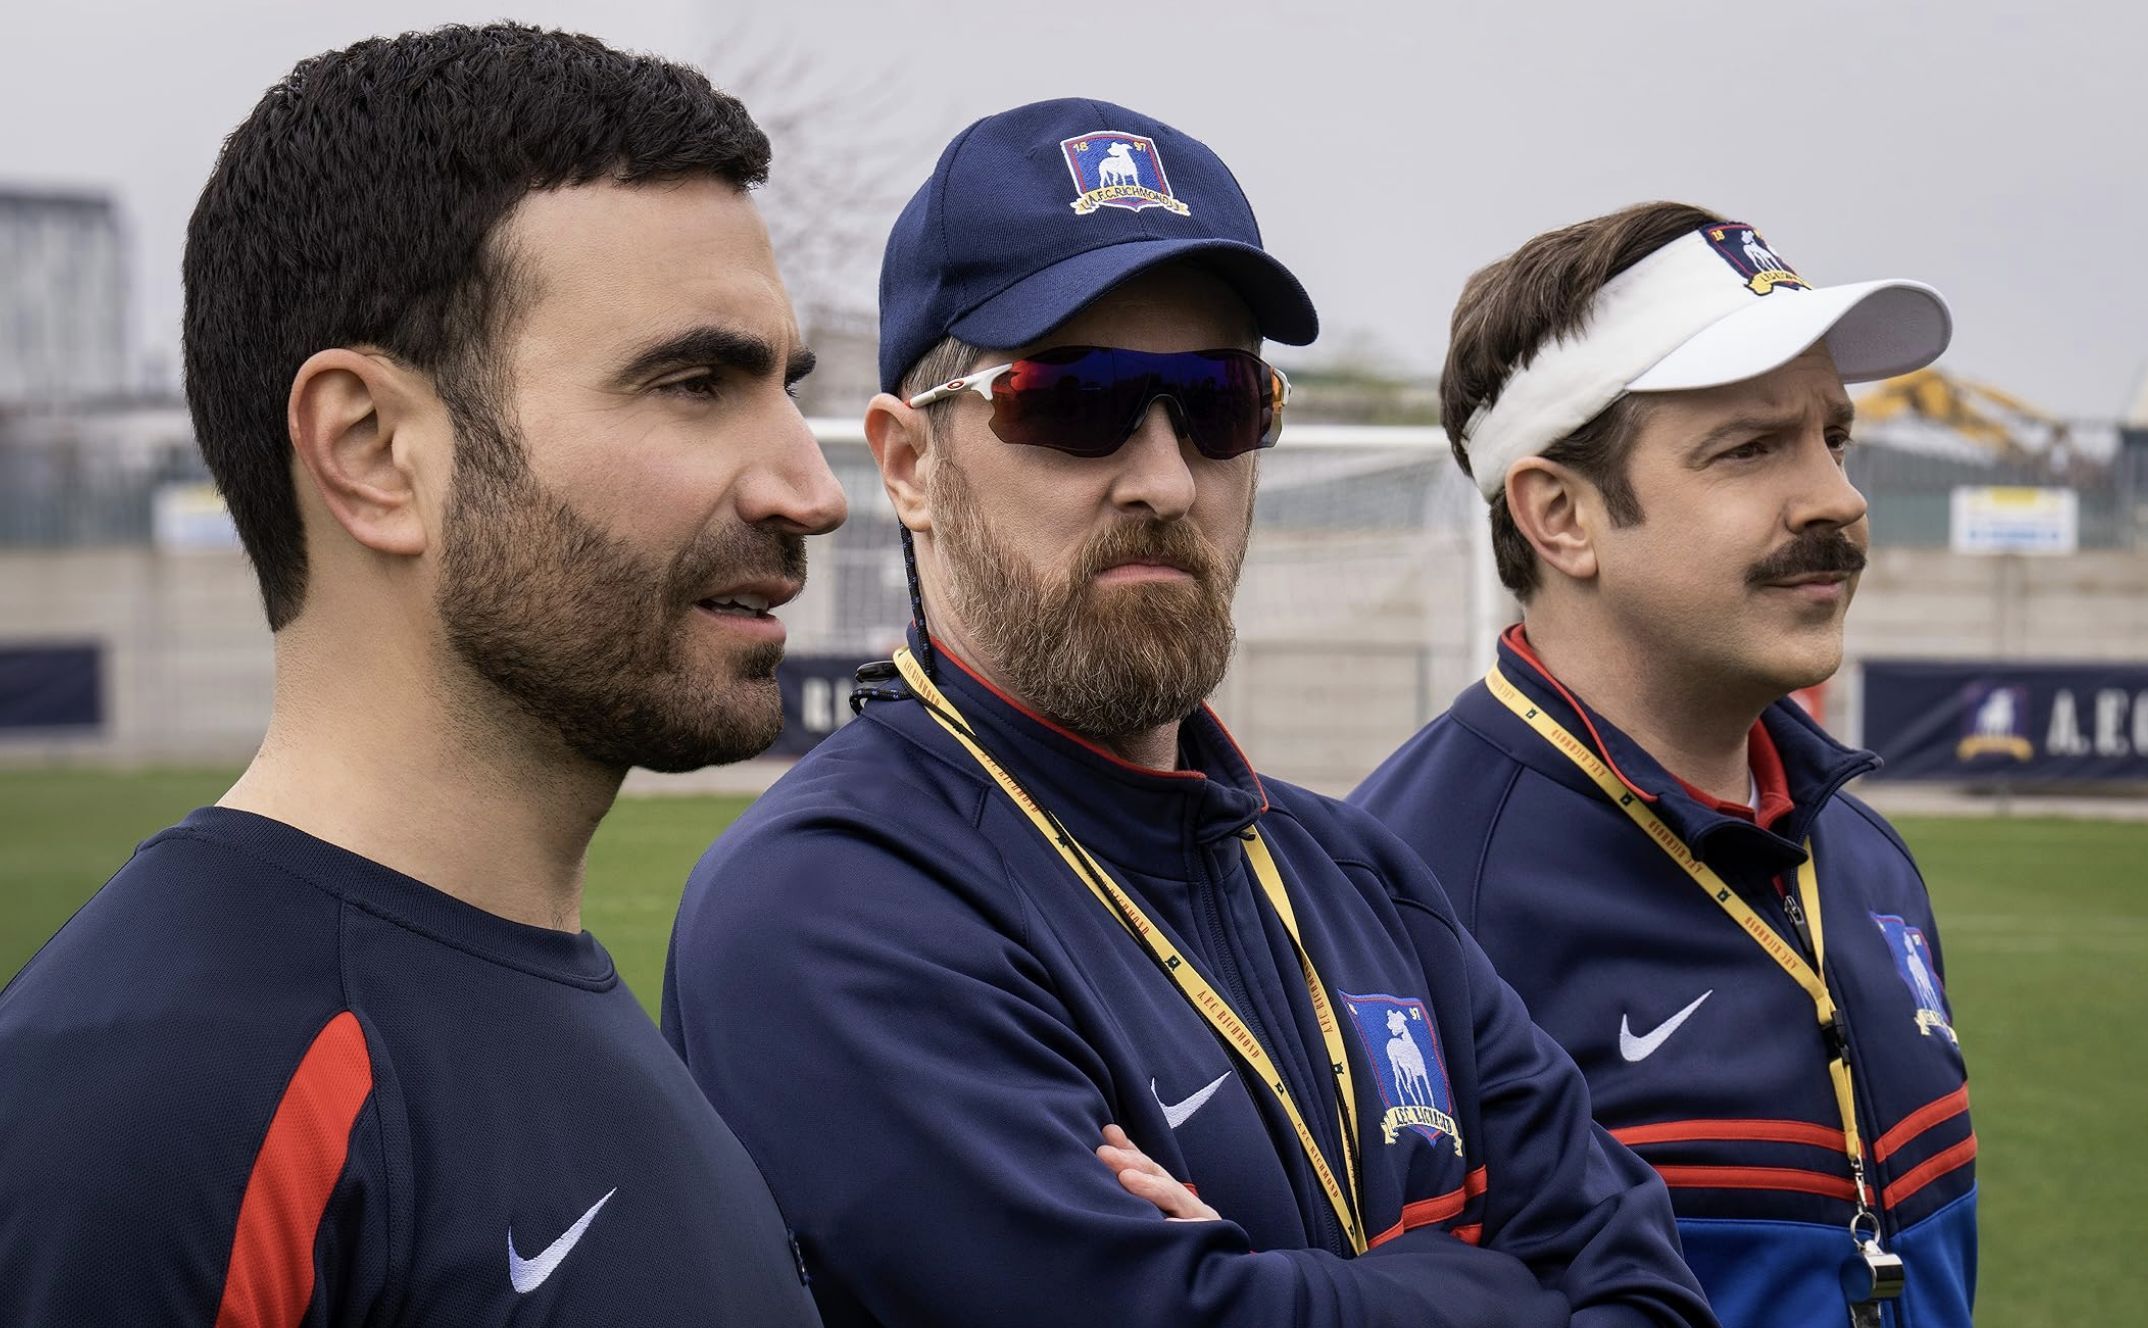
[1142, 818]
[1815, 766]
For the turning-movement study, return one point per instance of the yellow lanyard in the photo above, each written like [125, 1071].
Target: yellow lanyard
[1804, 909]
[1199, 992]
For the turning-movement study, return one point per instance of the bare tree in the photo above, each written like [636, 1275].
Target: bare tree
[842, 171]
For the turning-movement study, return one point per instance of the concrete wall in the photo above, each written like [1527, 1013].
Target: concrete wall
[1347, 642]
[186, 650]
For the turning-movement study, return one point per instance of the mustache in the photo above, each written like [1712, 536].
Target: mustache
[1175, 543]
[738, 552]
[1816, 550]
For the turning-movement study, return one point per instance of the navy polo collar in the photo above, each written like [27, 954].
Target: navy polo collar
[1141, 818]
[1815, 766]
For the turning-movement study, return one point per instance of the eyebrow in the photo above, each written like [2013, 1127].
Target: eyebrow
[1840, 415]
[716, 347]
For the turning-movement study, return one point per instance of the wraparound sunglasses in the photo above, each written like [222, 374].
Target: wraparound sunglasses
[1088, 400]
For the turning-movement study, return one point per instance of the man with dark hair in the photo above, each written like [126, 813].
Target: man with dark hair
[1649, 840]
[1034, 911]
[488, 353]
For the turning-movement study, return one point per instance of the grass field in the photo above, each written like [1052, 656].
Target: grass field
[2046, 938]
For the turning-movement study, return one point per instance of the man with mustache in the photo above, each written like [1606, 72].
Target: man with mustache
[487, 350]
[997, 961]
[1649, 840]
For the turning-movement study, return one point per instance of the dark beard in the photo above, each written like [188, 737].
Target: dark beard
[589, 637]
[1108, 662]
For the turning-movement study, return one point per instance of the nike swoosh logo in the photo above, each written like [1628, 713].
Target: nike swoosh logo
[1178, 1113]
[529, 1274]
[1640, 1048]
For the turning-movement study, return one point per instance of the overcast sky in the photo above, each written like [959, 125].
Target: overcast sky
[1995, 150]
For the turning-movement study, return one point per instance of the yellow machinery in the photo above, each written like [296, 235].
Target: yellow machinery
[2007, 427]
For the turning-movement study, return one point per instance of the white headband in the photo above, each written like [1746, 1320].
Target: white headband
[1712, 307]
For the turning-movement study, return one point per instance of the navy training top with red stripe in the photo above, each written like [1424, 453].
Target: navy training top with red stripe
[260, 1080]
[920, 1021]
[1701, 1054]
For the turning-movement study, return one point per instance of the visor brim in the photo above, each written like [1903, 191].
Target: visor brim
[1873, 330]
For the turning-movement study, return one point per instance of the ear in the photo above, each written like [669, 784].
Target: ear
[1546, 501]
[900, 436]
[345, 410]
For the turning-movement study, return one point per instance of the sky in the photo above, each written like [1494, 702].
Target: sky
[1390, 149]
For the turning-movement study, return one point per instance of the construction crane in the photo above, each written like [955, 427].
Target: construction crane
[1999, 423]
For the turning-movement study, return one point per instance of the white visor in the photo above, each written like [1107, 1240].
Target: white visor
[1713, 307]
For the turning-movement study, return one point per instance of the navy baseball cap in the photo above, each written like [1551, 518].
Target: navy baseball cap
[1035, 212]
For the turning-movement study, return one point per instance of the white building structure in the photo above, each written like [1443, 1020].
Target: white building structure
[63, 297]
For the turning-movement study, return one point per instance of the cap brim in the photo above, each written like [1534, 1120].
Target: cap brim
[1033, 306]
[1873, 329]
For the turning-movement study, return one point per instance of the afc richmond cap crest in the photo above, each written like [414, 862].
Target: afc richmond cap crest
[1749, 256]
[1112, 169]
[1032, 214]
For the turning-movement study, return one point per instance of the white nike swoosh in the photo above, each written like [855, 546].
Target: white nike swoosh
[529, 1274]
[1641, 1048]
[1178, 1113]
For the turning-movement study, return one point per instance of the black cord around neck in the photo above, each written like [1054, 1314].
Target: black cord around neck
[925, 657]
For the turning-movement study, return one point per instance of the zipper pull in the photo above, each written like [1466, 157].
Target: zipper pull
[1798, 923]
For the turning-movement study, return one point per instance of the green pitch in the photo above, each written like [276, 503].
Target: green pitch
[2045, 929]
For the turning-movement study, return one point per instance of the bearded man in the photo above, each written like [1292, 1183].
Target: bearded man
[487, 351]
[1001, 963]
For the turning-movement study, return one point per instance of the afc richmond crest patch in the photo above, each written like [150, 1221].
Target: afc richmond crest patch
[1118, 170]
[1749, 255]
[1913, 964]
[1402, 1043]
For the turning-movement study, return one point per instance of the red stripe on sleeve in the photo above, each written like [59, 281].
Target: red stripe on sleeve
[270, 1281]
[1920, 1120]
[1423, 1212]
[1766, 1131]
[1929, 1170]
[1758, 1178]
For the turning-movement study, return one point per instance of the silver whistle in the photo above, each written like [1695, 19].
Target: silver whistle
[1881, 1281]
[1883, 1271]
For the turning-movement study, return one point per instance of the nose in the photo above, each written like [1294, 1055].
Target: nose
[1155, 475]
[790, 486]
[1825, 495]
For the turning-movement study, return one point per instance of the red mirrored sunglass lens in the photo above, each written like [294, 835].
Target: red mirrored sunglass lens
[1088, 400]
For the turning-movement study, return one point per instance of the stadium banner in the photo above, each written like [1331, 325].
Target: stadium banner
[2004, 720]
[816, 698]
[46, 687]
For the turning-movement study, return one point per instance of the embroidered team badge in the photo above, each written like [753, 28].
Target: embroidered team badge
[1403, 1045]
[1742, 248]
[1995, 722]
[1118, 170]
[1913, 962]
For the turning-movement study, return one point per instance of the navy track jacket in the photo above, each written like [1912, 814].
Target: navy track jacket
[919, 1021]
[260, 1081]
[1700, 1052]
